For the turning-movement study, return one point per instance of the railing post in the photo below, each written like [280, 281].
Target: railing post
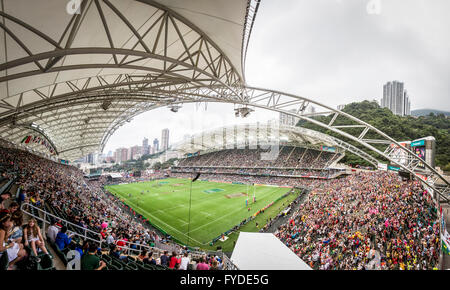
[43, 224]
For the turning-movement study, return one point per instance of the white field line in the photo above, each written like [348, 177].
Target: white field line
[171, 226]
[134, 205]
[202, 226]
[233, 212]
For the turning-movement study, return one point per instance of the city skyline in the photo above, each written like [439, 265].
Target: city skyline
[307, 54]
[396, 99]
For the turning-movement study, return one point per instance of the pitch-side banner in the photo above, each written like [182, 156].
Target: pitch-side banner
[382, 166]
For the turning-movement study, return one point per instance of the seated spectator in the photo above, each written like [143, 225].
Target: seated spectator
[82, 249]
[143, 255]
[13, 208]
[52, 231]
[4, 200]
[121, 243]
[21, 198]
[115, 252]
[33, 237]
[111, 238]
[91, 261]
[62, 240]
[9, 247]
[17, 218]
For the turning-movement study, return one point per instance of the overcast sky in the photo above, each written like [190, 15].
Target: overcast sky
[334, 51]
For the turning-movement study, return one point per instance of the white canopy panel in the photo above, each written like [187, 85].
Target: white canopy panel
[252, 134]
[264, 251]
[222, 21]
[79, 72]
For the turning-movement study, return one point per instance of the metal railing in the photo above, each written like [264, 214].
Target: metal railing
[127, 248]
[63, 221]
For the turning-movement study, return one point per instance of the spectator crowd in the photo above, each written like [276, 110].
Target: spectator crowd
[368, 220]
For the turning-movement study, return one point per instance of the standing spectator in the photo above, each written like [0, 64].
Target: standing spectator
[165, 259]
[185, 261]
[173, 260]
[149, 260]
[202, 265]
[214, 265]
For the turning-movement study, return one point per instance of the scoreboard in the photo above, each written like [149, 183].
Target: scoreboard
[425, 148]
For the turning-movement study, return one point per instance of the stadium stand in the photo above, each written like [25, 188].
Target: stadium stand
[290, 162]
[58, 194]
[288, 157]
[368, 220]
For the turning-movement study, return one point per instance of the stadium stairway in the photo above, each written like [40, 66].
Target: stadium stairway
[285, 219]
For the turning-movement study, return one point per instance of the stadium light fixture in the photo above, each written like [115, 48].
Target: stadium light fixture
[106, 104]
[244, 112]
[174, 108]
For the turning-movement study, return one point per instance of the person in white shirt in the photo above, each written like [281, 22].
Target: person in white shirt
[52, 231]
[185, 262]
[110, 239]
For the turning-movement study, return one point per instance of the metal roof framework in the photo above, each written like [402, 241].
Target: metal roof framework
[81, 76]
[251, 135]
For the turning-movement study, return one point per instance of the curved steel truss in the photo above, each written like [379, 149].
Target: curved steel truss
[82, 79]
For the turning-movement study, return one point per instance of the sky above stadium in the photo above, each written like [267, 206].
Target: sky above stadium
[334, 51]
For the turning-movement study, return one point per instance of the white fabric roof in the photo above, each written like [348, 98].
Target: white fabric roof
[264, 251]
[222, 21]
[81, 76]
[114, 175]
[253, 133]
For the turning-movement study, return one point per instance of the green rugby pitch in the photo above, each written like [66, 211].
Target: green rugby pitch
[215, 207]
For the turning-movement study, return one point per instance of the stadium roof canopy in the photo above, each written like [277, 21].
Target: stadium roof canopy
[66, 70]
[265, 134]
[264, 251]
[73, 74]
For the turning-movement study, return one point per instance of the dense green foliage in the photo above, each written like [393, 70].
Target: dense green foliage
[426, 112]
[158, 165]
[400, 128]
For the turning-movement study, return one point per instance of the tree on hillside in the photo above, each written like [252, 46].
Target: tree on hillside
[400, 128]
[157, 165]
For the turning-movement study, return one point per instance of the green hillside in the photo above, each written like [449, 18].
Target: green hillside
[400, 128]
